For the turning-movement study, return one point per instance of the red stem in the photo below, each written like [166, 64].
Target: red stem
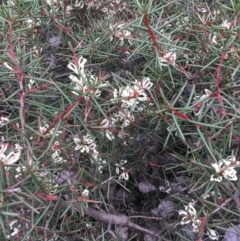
[178, 113]
[63, 115]
[217, 82]
[20, 75]
[150, 31]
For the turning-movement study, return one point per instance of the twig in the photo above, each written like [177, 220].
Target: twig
[118, 219]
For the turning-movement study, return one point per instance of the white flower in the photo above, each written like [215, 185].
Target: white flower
[106, 126]
[85, 193]
[226, 24]
[10, 158]
[213, 38]
[56, 154]
[212, 234]
[51, 2]
[169, 57]
[129, 97]
[165, 188]
[146, 84]
[3, 121]
[126, 117]
[124, 176]
[230, 174]
[44, 126]
[47, 180]
[79, 4]
[225, 168]
[214, 178]
[68, 10]
[196, 224]
[31, 83]
[85, 83]
[122, 33]
[109, 135]
[14, 228]
[94, 156]
[19, 171]
[86, 144]
[79, 68]
[188, 215]
[132, 95]
[206, 95]
[126, 92]
[100, 168]
[15, 232]
[101, 163]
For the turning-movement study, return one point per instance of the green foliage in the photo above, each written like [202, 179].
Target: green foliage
[118, 106]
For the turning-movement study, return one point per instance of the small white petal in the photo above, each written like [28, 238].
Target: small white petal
[185, 220]
[115, 94]
[182, 213]
[73, 67]
[146, 83]
[212, 234]
[215, 179]
[142, 97]
[109, 135]
[124, 176]
[85, 193]
[217, 167]
[8, 66]
[231, 158]
[191, 210]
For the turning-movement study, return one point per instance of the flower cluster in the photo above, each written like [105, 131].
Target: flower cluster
[225, 168]
[121, 119]
[56, 155]
[215, 37]
[132, 95]
[107, 126]
[169, 57]
[57, 5]
[111, 7]
[44, 126]
[189, 215]
[83, 82]
[121, 33]
[124, 175]
[87, 145]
